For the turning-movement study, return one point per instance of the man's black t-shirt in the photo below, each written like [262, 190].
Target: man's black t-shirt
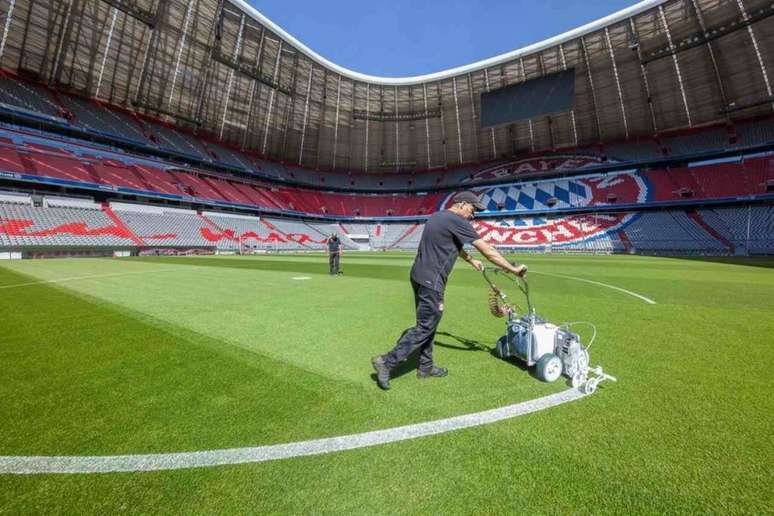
[444, 235]
[334, 246]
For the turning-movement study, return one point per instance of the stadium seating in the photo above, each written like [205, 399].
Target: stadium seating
[92, 117]
[732, 225]
[163, 227]
[711, 179]
[88, 115]
[177, 141]
[30, 98]
[670, 232]
[72, 161]
[25, 226]
[633, 151]
[698, 142]
[77, 223]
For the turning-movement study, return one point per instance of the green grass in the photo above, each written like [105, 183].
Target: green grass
[201, 353]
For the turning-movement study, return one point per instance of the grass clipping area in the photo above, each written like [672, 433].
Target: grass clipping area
[160, 355]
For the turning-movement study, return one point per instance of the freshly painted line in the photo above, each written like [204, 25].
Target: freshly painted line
[299, 278]
[629, 292]
[94, 276]
[30, 465]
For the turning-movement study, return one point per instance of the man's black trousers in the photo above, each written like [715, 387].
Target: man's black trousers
[333, 262]
[429, 306]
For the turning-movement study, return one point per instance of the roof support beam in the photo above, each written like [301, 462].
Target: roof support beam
[643, 75]
[122, 39]
[180, 51]
[336, 122]
[64, 35]
[572, 111]
[253, 89]
[754, 40]
[473, 118]
[290, 107]
[350, 129]
[51, 32]
[551, 141]
[230, 83]
[74, 35]
[457, 115]
[412, 139]
[617, 81]
[8, 18]
[306, 113]
[141, 77]
[131, 8]
[207, 69]
[427, 126]
[382, 132]
[677, 65]
[323, 109]
[711, 52]
[23, 45]
[529, 122]
[397, 130]
[271, 100]
[107, 50]
[367, 110]
[491, 131]
[591, 84]
[443, 125]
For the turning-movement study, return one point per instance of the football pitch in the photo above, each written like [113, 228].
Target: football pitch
[157, 356]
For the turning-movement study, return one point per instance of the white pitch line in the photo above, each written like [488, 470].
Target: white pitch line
[32, 465]
[629, 292]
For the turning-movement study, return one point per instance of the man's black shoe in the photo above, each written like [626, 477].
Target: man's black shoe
[432, 372]
[382, 372]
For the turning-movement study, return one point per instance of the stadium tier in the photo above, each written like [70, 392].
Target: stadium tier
[227, 168]
[31, 158]
[143, 132]
[77, 223]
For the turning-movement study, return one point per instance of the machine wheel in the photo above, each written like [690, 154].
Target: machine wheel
[591, 386]
[501, 348]
[549, 368]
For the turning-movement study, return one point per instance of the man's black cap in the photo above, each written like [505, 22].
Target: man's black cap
[471, 198]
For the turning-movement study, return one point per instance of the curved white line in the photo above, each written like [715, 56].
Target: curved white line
[28, 465]
[629, 292]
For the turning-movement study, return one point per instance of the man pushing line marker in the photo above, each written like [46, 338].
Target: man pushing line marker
[445, 234]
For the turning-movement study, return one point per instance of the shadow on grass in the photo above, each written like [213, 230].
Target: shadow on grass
[411, 364]
[474, 345]
[467, 344]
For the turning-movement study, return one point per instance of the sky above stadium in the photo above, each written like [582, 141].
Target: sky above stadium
[401, 38]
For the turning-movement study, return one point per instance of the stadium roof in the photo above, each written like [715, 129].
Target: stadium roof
[220, 66]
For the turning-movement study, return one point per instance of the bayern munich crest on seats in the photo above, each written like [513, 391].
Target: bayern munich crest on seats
[628, 187]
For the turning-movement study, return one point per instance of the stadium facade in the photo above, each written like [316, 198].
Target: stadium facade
[211, 106]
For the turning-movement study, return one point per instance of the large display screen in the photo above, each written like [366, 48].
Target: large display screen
[547, 95]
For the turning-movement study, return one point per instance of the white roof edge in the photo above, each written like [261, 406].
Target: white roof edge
[601, 23]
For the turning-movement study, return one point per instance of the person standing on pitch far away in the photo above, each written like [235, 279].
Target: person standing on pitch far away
[334, 252]
[445, 234]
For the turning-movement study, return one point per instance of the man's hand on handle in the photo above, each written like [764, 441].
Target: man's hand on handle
[494, 256]
[477, 264]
